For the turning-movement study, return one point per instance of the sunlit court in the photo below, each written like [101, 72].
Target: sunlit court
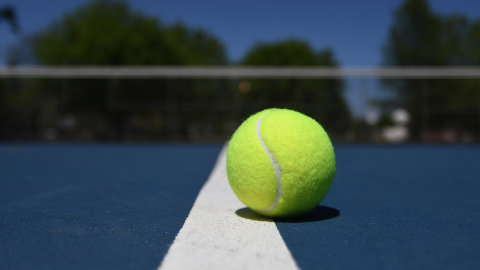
[144, 135]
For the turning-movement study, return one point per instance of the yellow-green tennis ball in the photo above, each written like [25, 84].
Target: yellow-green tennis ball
[280, 163]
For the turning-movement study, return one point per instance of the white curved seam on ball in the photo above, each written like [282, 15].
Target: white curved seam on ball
[276, 167]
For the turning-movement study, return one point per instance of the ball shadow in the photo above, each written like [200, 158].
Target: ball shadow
[250, 214]
[319, 213]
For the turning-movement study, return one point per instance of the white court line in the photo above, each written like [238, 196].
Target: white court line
[215, 237]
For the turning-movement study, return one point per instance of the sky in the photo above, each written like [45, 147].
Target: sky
[355, 30]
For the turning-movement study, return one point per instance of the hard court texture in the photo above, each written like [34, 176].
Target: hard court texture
[96, 206]
[394, 207]
[121, 206]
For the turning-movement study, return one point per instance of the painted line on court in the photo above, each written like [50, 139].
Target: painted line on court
[215, 237]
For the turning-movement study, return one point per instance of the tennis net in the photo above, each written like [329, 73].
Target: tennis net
[367, 105]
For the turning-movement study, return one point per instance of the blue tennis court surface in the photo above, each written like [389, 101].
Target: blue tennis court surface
[121, 206]
[96, 207]
[410, 207]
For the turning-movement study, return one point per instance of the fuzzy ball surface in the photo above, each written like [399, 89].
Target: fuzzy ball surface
[280, 163]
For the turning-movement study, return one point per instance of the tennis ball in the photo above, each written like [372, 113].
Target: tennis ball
[280, 163]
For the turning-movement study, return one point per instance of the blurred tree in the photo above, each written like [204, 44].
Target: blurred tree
[196, 46]
[110, 33]
[8, 15]
[321, 99]
[414, 36]
[420, 37]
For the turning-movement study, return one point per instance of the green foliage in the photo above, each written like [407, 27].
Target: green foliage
[103, 33]
[110, 33]
[196, 46]
[321, 99]
[421, 37]
[414, 36]
[287, 53]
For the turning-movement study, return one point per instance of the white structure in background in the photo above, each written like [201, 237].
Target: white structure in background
[400, 116]
[399, 132]
[372, 116]
[67, 122]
